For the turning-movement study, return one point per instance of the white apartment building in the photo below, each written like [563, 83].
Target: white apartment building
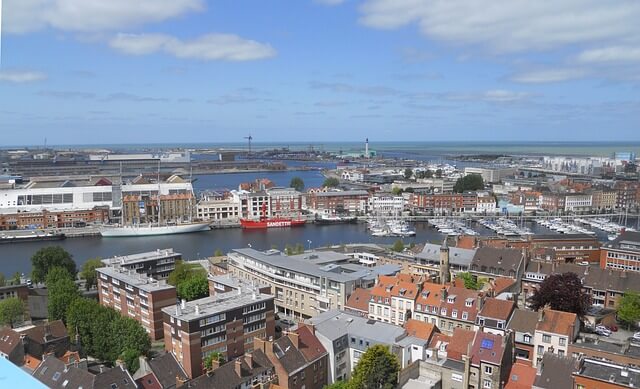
[386, 204]
[228, 209]
[578, 202]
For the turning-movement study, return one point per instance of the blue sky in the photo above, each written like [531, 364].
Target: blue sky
[169, 71]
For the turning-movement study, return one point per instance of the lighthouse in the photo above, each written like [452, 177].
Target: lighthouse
[366, 148]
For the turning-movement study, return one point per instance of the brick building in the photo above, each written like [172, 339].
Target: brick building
[156, 264]
[332, 202]
[136, 296]
[226, 323]
[53, 219]
[623, 253]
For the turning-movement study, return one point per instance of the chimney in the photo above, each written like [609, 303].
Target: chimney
[197, 309]
[238, 367]
[479, 301]
[180, 381]
[539, 266]
[541, 314]
[294, 338]
[249, 359]
[183, 304]
[443, 294]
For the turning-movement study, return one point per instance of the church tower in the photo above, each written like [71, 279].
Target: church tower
[445, 272]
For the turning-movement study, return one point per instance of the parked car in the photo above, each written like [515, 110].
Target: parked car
[287, 322]
[636, 336]
[613, 328]
[603, 332]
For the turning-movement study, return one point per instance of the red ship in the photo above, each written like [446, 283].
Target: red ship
[275, 222]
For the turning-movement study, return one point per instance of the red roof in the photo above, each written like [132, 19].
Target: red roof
[359, 300]
[419, 329]
[308, 344]
[521, 377]
[497, 309]
[459, 344]
[487, 348]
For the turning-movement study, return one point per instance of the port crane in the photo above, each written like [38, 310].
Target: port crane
[249, 139]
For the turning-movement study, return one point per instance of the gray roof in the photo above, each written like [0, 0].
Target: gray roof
[322, 257]
[53, 373]
[628, 240]
[135, 279]
[289, 356]
[118, 377]
[221, 302]
[334, 324]
[507, 259]
[225, 377]
[140, 257]
[606, 371]
[523, 321]
[592, 276]
[457, 256]
[334, 272]
[556, 372]
[166, 369]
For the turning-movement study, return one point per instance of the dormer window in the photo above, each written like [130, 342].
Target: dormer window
[451, 299]
[443, 311]
[468, 302]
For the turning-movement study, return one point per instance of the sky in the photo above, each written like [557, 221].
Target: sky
[173, 71]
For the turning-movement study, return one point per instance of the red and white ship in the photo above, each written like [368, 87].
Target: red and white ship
[276, 222]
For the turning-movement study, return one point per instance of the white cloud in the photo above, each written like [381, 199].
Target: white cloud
[613, 54]
[21, 76]
[500, 95]
[550, 75]
[507, 25]
[91, 15]
[210, 47]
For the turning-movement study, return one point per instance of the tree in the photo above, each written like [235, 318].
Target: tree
[398, 246]
[62, 292]
[331, 182]
[562, 292]
[2, 280]
[377, 369]
[288, 249]
[469, 281]
[297, 184]
[299, 248]
[183, 271]
[88, 272]
[131, 359]
[11, 311]
[215, 356]
[338, 385]
[629, 308]
[408, 173]
[469, 182]
[49, 257]
[397, 191]
[218, 253]
[193, 288]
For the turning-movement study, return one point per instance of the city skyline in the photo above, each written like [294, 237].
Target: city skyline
[196, 71]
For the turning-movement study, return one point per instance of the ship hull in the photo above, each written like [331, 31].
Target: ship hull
[31, 238]
[270, 223]
[119, 232]
[346, 220]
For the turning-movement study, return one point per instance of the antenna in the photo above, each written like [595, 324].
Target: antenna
[249, 139]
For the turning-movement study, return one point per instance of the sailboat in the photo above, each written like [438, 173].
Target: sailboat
[153, 229]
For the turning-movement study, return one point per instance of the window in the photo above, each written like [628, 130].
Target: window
[500, 324]
[486, 384]
[561, 353]
[562, 342]
[527, 338]
[56, 376]
[488, 370]
[546, 338]
[465, 315]
[540, 351]
[454, 314]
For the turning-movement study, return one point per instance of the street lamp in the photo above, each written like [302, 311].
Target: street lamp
[249, 244]
[308, 241]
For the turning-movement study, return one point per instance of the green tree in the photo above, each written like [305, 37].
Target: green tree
[184, 271]
[208, 361]
[338, 385]
[397, 191]
[331, 182]
[11, 311]
[469, 182]
[81, 313]
[297, 184]
[398, 246]
[15, 280]
[62, 292]
[49, 257]
[193, 288]
[88, 272]
[299, 248]
[377, 369]
[128, 334]
[562, 292]
[408, 173]
[3, 281]
[288, 249]
[469, 281]
[218, 253]
[131, 359]
[629, 308]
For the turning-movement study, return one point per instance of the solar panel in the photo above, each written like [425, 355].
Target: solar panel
[487, 343]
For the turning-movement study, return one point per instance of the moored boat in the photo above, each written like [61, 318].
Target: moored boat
[152, 230]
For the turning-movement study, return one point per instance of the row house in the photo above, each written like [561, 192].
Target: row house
[447, 308]
[437, 202]
[494, 315]
[470, 201]
[392, 299]
[332, 202]
[136, 296]
[486, 204]
[552, 202]
[627, 194]
[219, 207]
[603, 199]
[53, 219]
[490, 263]
[530, 200]
[226, 323]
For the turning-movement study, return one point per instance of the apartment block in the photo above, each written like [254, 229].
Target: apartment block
[555, 331]
[623, 253]
[392, 299]
[156, 264]
[136, 296]
[307, 284]
[332, 202]
[226, 323]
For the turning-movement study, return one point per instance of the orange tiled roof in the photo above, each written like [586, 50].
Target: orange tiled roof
[459, 344]
[430, 294]
[31, 362]
[557, 322]
[521, 376]
[502, 283]
[497, 309]
[466, 242]
[359, 300]
[419, 329]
